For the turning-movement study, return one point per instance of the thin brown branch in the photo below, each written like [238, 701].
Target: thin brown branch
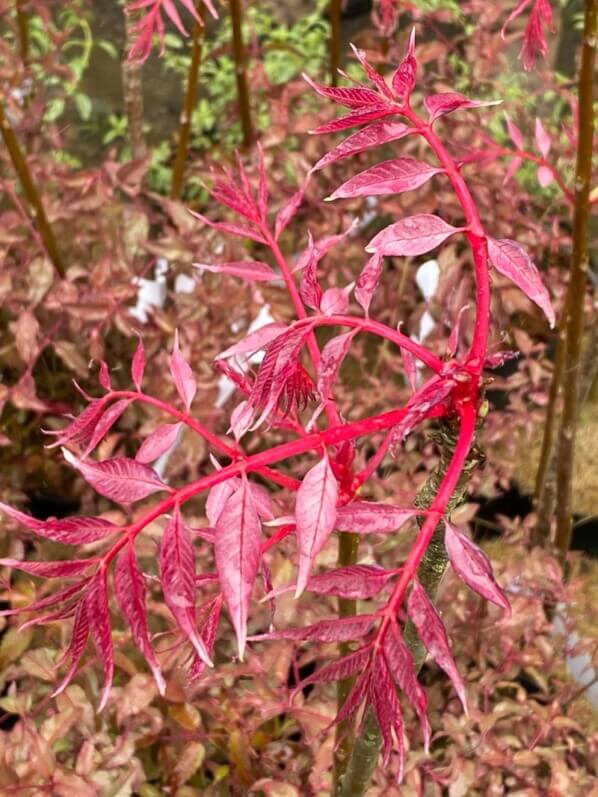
[574, 309]
[23, 26]
[31, 193]
[131, 73]
[180, 160]
[335, 39]
[240, 57]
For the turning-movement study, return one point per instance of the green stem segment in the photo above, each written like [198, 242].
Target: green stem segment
[574, 308]
[366, 750]
[178, 170]
[31, 193]
[348, 547]
[240, 57]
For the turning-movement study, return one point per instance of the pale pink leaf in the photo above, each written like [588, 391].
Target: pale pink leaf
[129, 585]
[335, 301]
[104, 376]
[371, 517]
[545, 176]
[315, 513]
[71, 530]
[182, 374]
[374, 135]
[473, 567]
[513, 167]
[65, 569]
[515, 134]
[357, 582]
[138, 365]
[368, 280]
[512, 261]
[432, 633]
[232, 228]
[403, 80]
[262, 501]
[241, 419]
[542, 139]
[254, 341]
[98, 613]
[342, 629]
[237, 551]
[159, 442]
[412, 236]
[177, 574]
[438, 105]
[120, 479]
[389, 177]
[250, 270]
[217, 498]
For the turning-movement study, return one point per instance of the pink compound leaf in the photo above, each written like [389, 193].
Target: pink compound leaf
[120, 479]
[76, 648]
[473, 567]
[138, 365]
[158, 443]
[232, 228]
[354, 98]
[182, 374]
[129, 586]
[412, 236]
[373, 74]
[177, 574]
[315, 513]
[403, 80]
[98, 613]
[389, 177]
[432, 633]
[354, 119]
[250, 270]
[512, 261]
[238, 552]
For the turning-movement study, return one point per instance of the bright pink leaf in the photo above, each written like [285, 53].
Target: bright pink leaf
[289, 210]
[473, 567]
[104, 376]
[106, 422]
[81, 428]
[76, 648]
[368, 280]
[71, 530]
[65, 569]
[545, 176]
[161, 440]
[310, 290]
[315, 513]
[354, 120]
[182, 374]
[432, 633]
[374, 135]
[423, 404]
[385, 701]
[237, 551]
[339, 670]
[335, 301]
[120, 479]
[333, 354]
[250, 270]
[209, 627]
[438, 105]
[372, 73]
[217, 498]
[130, 591]
[138, 365]
[389, 177]
[354, 97]
[515, 134]
[232, 228]
[403, 80]
[241, 419]
[401, 665]
[412, 236]
[98, 613]
[254, 341]
[177, 574]
[512, 261]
